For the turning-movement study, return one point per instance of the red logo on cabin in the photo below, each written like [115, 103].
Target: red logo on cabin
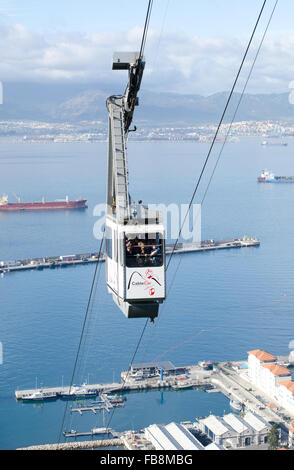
[149, 274]
[147, 281]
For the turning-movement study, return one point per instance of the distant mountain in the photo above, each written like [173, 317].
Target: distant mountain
[77, 102]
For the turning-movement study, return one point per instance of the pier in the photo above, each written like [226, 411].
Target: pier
[60, 391]
[93, 432]
[86, 445]
[194, 376]
[64, 261]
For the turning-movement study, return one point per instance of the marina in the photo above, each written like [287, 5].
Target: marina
[167, 376]
[64, 261]
[228, 378]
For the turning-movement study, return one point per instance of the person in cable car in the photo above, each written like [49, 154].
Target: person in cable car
[129, 250]
[155, 254]
[142, 255]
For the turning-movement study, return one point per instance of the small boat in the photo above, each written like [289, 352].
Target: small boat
[39, 395]
[70, 433]
[236, 405]
[116, 398]
[101, 431]
[182, 385]
[79, 392]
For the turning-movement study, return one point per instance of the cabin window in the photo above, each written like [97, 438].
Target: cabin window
[143, 250]
[115, 246]
[109, 242]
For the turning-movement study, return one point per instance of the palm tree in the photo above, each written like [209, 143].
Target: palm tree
[273, 437]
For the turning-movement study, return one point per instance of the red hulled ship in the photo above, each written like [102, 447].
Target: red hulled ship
[41, 205]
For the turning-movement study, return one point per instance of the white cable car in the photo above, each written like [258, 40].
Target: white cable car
[135, 236]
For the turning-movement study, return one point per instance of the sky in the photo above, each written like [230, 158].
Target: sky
[192, 46]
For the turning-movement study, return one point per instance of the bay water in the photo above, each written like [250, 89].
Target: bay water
[220, 304]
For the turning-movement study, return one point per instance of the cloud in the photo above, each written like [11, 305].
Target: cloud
[176, 62]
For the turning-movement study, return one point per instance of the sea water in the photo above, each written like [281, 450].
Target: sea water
[220, 304]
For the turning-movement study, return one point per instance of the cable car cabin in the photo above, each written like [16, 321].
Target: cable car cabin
[135, 267]
[135, 251]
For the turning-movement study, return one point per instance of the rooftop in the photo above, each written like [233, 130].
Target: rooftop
[256, 422]
[161, 438]
[289, 384]
[174, 437]
[275, 369]
[235, 422]
[263, 356]
[186, 440]
[215, 425]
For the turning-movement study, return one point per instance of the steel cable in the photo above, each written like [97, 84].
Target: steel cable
[217, 131]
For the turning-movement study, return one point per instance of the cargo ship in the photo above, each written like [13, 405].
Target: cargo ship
[281, 144]
[267, 177]
[59, 204]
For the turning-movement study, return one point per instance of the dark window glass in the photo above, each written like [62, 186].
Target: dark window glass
[144, 250]
[109, 242]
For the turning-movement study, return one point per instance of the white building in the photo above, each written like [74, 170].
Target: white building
[215, 429]
[243, 432]
[285, 395]
[184, 437]
[291, 438]
[255, 359]
[271, 375]
[291, 357]
[174, 437]
[232, 431]
[260, 427]
[161, 438]
[273, 379]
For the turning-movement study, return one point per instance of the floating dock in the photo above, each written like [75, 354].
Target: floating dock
[88, 258]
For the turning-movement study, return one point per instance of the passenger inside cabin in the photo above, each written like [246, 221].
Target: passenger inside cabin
[129, 251]
[143, 252]
[155, 254]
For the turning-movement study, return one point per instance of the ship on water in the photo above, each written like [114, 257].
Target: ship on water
[268, 177]
[281, 144]
[59, 204]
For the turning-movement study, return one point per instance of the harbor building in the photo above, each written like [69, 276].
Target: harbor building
[175, 437]
[255, 359]
[272, 378]
[271, 375]
[291, 438]
[234, 432]
[285, 395]
[291, 358]
[150, 369]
